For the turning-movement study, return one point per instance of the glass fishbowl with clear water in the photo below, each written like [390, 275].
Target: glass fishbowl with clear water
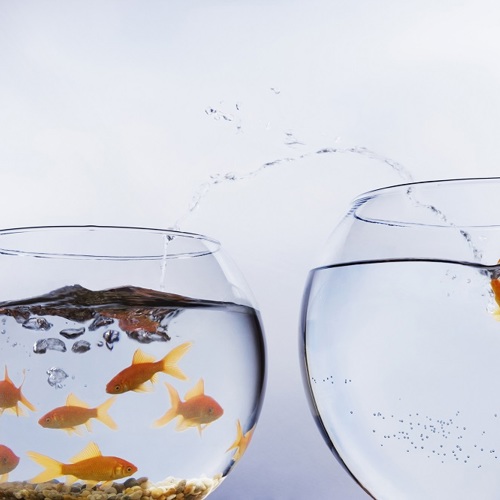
[401, 340]
[133, 364]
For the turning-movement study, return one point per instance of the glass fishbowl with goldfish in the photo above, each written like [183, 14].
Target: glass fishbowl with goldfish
[133, 364]
[401, 340]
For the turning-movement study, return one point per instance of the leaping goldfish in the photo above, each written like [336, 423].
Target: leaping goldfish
[241, 442]
[495, 286]
[76, 413]
[88, 465]
[199, 410]
[144, 369]
[8, 462]
[11, 396]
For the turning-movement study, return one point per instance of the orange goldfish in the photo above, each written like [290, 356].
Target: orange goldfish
[10, 396]
[8, 462]
[495, 286]
[144, 369]
[89, 465]
[241, 442]
[198, 410]
[75, 413]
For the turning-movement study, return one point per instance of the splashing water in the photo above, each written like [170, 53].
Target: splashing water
[291, 141]
[215, 179]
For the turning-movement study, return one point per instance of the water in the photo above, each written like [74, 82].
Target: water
[402, 361]
[80, 354]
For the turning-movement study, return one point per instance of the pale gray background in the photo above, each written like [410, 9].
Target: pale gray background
[118, 112]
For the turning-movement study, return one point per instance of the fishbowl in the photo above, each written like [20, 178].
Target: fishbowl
[133, 364]
[400, 340]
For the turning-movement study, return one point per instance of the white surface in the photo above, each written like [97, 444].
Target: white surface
[103, 121]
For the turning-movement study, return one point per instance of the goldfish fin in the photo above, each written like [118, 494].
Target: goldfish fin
[141, 357]
[71, 430]
[53, 468]
[106, 484]
[90, 451]
[71, 479]
[143, 388]
[197, 390]
[19, 411]
[239, 437]
[169, 362]
[26, 403]
[102, 413]
[6, 376]
[88, 425]
[496, 313]
[182, 424]
[4, 477]
[173, 412]
[72, 400]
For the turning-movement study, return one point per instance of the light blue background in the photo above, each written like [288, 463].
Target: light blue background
[118, 112]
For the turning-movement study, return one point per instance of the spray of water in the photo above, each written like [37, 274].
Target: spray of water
[290, 140]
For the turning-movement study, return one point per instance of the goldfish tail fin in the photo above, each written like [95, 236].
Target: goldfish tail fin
[173, 412]
[26, 403]
[103, 416]
[239, 437]
[53, 468]
[169, 362]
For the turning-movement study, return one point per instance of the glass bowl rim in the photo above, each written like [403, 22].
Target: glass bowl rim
[211, 245]
[362, 198]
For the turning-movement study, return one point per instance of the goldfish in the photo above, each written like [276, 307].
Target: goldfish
[241, 442]
[88, 465]
[76, 413]
[495, 286]
[8, 462]
[198, 410]
[144, 369]
[11, 396]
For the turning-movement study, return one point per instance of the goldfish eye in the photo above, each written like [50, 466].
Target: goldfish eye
[129, 469]
[47, 420]
[117, 388]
